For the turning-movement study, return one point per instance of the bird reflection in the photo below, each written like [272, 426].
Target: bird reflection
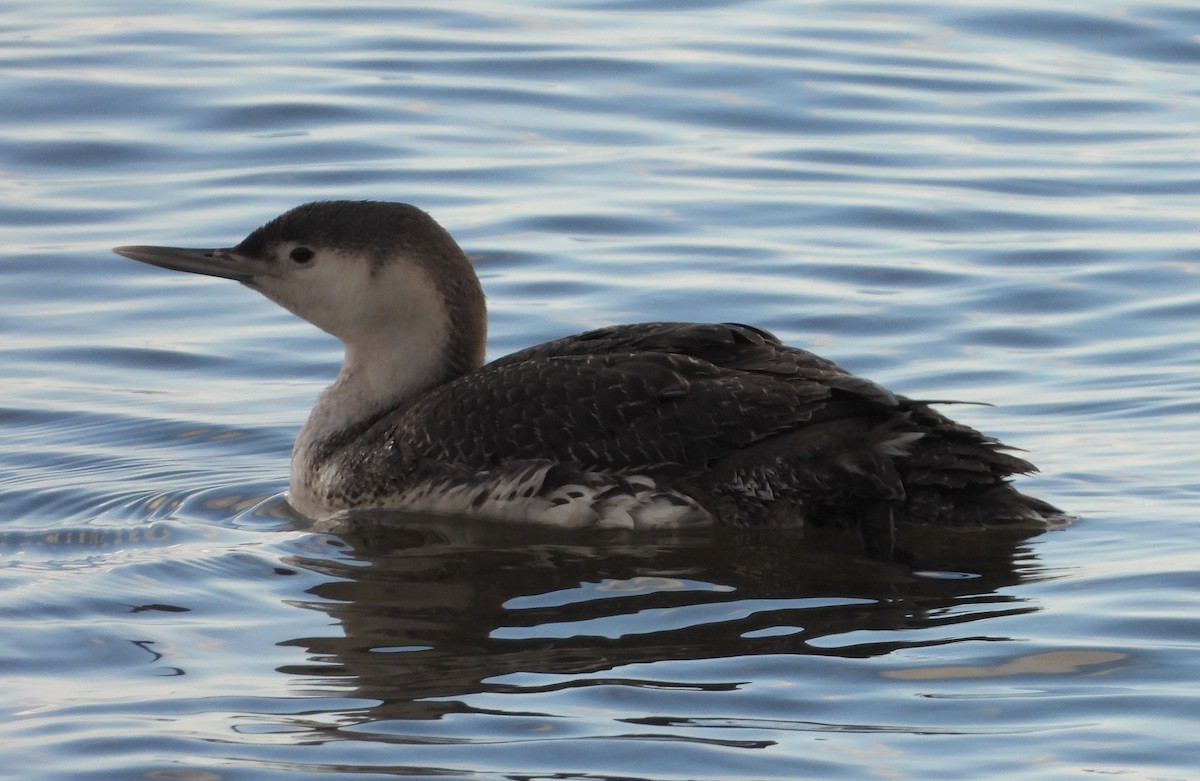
[430, 612]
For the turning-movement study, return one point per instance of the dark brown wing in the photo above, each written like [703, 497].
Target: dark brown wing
[727, 413]
[673, 396]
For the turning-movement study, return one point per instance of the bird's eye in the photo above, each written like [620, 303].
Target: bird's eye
[301, 254]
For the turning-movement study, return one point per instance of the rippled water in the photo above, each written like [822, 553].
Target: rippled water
[983, 200]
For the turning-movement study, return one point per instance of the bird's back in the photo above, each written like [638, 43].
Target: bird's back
[753, 431]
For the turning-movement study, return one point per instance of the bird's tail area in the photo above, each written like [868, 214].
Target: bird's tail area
[955, 476]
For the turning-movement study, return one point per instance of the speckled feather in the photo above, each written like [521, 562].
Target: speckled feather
[755, 432]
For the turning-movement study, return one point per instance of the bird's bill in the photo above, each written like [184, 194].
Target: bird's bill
[210, 262]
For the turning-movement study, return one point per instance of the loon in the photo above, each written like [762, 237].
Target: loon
[637, 426]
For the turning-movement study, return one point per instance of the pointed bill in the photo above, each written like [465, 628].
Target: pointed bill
[210, 262]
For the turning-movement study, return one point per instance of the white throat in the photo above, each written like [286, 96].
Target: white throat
[395, 349]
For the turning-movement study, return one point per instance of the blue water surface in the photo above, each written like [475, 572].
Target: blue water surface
[973, 200]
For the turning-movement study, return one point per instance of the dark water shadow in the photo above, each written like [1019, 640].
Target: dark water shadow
[429, 611]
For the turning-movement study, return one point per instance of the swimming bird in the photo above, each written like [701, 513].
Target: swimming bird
[643, 425]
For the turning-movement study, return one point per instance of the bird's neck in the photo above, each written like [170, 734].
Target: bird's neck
[373, 380]
[380, 374]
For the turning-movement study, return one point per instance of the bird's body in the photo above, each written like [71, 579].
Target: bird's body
[655, 424]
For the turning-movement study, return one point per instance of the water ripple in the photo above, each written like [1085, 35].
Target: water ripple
[984, 202]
